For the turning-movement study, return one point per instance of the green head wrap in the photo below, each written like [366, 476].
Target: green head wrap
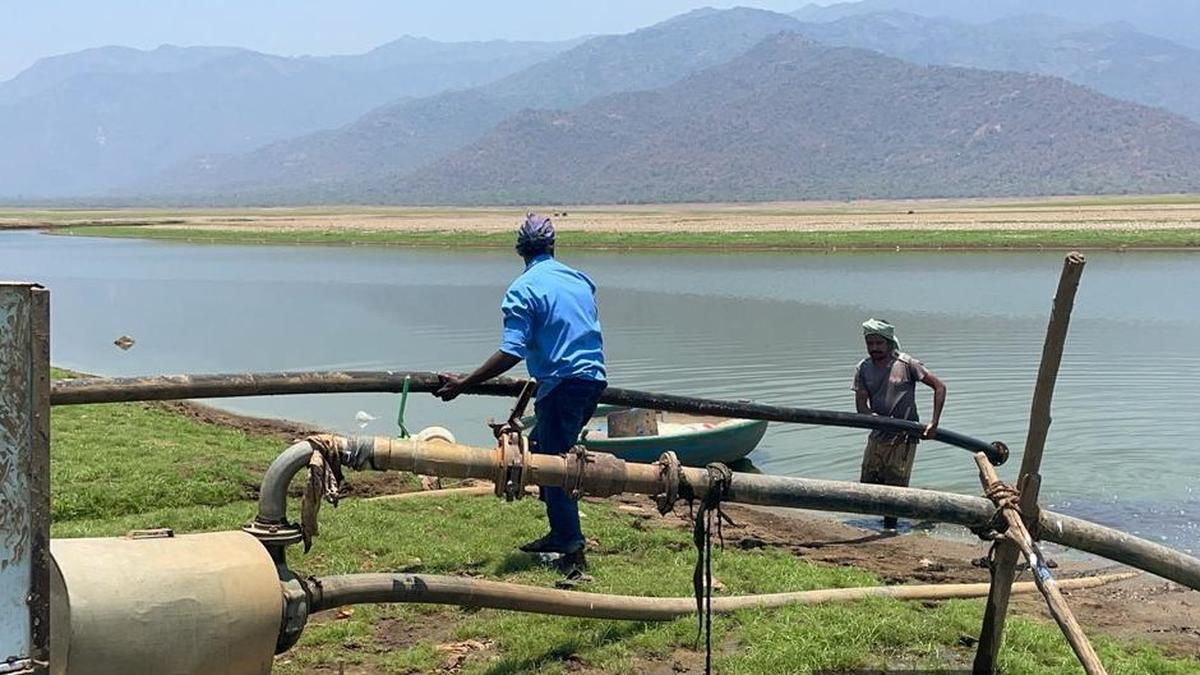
[883, 329]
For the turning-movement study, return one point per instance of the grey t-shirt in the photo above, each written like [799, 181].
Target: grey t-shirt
[891, 388]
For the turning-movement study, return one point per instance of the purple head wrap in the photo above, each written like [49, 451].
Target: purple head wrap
[535, 234]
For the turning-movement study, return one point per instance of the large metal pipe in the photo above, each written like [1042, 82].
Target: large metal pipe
[171, 387]
[337, 591]
[197, 604]
[272, 498]
[609, 476]
[605, 475]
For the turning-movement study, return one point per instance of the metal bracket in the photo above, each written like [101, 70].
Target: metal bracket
[669, 477]
[273, 534]
[582, 458]
[155, 533]
[513, 423]
[512, 457]
[295, 611]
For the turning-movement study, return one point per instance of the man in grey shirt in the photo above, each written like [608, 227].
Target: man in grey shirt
[885, 384]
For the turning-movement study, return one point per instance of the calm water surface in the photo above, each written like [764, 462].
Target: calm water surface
[778, 328]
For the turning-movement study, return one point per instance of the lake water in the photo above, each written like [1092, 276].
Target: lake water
[777, 328]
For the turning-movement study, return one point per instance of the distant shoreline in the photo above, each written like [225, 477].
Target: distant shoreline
[1054, 223]
[763, 241]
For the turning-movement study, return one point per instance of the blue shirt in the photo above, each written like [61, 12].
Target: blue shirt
[551, 321]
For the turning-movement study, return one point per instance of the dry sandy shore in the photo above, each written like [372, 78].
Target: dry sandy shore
[1099, 213]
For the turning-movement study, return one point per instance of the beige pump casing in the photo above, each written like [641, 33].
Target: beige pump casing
[196, 604]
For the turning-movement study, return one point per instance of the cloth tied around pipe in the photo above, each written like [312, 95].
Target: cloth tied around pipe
[325, 479]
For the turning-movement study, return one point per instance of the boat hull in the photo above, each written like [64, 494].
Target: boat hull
[725, 443]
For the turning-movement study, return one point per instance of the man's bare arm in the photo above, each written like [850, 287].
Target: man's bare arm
[497, 364]
[939, 402]
[861, 402]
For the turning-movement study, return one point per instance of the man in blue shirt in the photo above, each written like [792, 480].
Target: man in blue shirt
[551, 321]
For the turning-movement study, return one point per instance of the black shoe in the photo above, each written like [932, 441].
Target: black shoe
[548, 544]
[544, 544]
[890, 523]
[573, 566]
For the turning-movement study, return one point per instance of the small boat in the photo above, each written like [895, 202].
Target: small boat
[697, 440]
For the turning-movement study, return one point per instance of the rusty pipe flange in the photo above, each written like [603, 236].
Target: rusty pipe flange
[273, 534]
[602, 474]
[577, 461]
[511, 457]
[669, 477]
[500, 479]
[1001, 455]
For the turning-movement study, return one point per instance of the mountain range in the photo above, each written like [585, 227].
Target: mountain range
[1113, 58]
[395, 139]
[88, 122]
[1177, 20]
[792, 119]
[418, 121]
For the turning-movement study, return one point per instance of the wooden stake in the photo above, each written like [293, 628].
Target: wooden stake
[1007, 553]
[1019, 536]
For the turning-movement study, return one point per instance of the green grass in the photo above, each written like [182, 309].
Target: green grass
[114, 460]
[781, 240]
[125, 466]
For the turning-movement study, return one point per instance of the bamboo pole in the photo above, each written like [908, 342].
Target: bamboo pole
[1059, 610]
[488, 489]
[1005, 560]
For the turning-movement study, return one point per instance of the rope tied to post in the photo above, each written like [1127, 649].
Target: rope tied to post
[1006, 498]
[720, 478]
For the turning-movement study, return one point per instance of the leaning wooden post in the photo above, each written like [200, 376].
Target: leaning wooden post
[1005, 560]
[1019, 536]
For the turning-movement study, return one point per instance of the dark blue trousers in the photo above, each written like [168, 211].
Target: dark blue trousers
[561, 415]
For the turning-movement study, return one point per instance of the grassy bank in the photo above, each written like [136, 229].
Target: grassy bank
[124, 466]
[952, 239]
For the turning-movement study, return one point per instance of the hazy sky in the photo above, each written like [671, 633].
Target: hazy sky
[32, 29]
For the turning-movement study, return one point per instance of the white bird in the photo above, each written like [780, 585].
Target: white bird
[364, 418]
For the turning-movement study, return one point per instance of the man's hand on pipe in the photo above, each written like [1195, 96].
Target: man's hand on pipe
[452, 386]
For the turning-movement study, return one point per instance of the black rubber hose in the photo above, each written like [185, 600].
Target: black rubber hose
[171, 387]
